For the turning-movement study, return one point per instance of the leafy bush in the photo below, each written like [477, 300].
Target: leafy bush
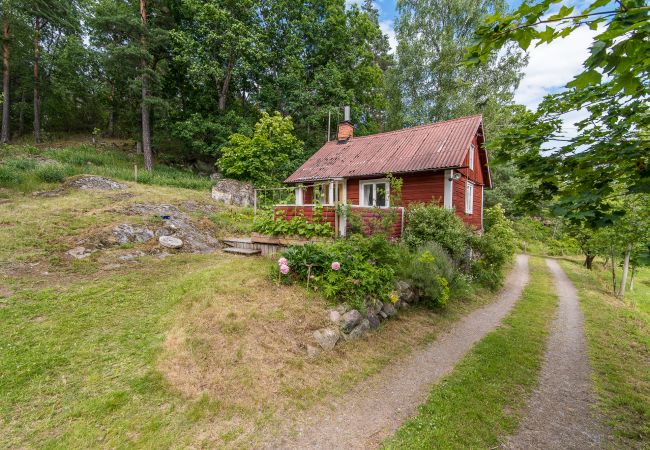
[21, 164]
[9, 177]
[431, 273]
[51, 173]
[430, 223]
[364, 274]
[495, 248]
[297, 226]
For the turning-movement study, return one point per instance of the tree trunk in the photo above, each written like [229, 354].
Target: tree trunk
[589, 259]
[223, 95]
[21, 114]
[626, 268]
[37, 90]
[606, 261]
[146, 124]
[111, 113]
[611, 257]
[632, 278]
[4, 137]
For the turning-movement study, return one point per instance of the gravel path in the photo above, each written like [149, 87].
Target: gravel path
[560, 415]
[373, 410]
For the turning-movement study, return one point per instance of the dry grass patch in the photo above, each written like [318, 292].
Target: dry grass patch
[242, 347]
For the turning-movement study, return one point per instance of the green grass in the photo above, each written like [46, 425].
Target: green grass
[618, 335]
[21, 171]
[481, 401]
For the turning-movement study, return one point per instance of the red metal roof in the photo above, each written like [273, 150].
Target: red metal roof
[435, 146]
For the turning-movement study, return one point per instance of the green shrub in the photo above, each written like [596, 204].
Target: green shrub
[9, 177]
[431, 273]
[51, 173]
[297, 226]
[495, 248]
[21, 164]
[431, 223]
[365, 271]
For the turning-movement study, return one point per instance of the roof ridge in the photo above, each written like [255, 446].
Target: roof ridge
[415, 127]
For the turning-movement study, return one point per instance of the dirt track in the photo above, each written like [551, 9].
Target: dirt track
[559, 413]
[374, 409]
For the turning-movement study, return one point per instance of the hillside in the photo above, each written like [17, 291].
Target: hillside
[112, 344]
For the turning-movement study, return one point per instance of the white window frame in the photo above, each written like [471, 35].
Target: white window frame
[469, 197]
[374, 183]
[471, 156]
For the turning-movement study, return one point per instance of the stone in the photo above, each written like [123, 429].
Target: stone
[196, 238]
[170, 242]
[341, 309]
[131, 256]
[326, 338]
[405, 291]
[312, 351]
[359, 330]
[125, 233]
[389, 309]
[216, 176]
[383, 315]
[95, 182]
[334, 316]
[165, 231]
[373, 320]
[233, 192]
[350, 319]
[79, 252]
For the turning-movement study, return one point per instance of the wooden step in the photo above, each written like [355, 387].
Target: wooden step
[234, 241]
[243, 251]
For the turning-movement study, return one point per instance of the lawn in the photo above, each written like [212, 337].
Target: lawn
[618, 333]
[188, 350]
[482, 400]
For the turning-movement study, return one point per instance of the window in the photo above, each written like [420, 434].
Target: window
[471, 156]
[375, 193]
[469, 198]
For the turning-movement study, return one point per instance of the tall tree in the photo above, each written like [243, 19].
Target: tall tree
[433, 36]
[146, 107]
[608, 156]
[6, 97]
[58, 15]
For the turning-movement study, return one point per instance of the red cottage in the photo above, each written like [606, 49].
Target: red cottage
[444, 163]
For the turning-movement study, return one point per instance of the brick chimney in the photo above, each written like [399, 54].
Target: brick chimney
[346, 129]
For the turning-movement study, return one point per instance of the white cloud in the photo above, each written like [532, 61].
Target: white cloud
[552, 66]
[387, 28]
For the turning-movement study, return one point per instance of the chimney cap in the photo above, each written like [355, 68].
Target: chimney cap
[346, 113]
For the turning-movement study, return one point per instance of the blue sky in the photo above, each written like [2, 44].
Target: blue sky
[549, 68]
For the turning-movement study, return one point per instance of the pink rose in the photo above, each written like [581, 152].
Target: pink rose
[284, 269]
[283, 262]
[336, 265]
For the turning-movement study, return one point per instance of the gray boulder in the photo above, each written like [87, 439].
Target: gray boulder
[233, 192]
[359, 330]
[373, 320]
[170, 242]
[389, 309]
[79, 252]
[350, 319]
[326, 338]
[125, 233]
[334, 316]
[95, 182]
[405, 291]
